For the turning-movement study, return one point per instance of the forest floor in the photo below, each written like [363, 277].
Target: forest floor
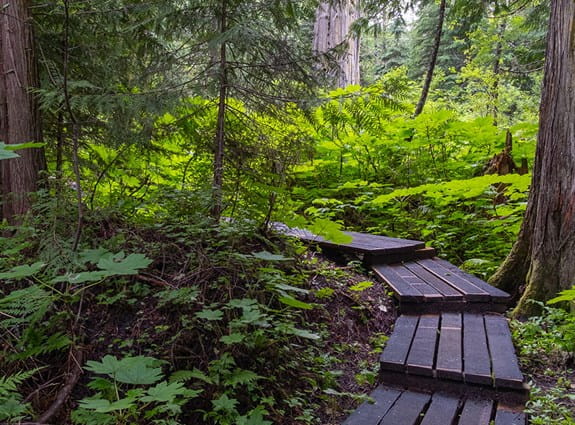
[219, 307]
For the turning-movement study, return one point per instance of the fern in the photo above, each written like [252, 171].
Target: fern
[9, 384]
[11, 406]
[24, 306]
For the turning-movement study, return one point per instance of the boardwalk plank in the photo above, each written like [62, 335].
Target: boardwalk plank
[404, 291]
[395, 353]
[442, 411]
[449, 353]
[429, 292]
[505, 364]
[422, 353]
[449, 292]
[476, 359]
[476, 412]
[407, 409]
[470, 291]
[371, 413]
[496, 294]
[505, 417]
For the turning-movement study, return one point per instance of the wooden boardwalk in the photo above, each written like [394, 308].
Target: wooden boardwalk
[392, 406]
[450, 359]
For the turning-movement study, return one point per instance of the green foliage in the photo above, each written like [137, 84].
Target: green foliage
[118, 403]
[7, 151]
[566, 295]
[549, 407]
[551, 335]
[12, 408]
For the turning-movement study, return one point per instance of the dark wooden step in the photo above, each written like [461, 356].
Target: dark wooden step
[374, 246]
[390, 406]
[435, 285]
[465, 348]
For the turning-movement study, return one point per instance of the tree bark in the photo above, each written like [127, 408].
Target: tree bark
[433, 60]
[19, 112]
[219, 142]
[333, 36]
[543, 257]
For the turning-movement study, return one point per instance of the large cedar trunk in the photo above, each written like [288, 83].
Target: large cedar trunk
[333, 37]
[19, 114]
[544, 255]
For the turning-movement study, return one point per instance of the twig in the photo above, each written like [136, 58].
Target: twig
[74, 361]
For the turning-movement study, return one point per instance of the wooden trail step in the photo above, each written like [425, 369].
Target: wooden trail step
[374, 248]
[435, 285]
[390, 406]
[454, 351]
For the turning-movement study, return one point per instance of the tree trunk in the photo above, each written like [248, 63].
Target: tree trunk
[433, 60]
[219, 143]
[332, 36]
[19, 113]
[544, 255]
[497, 69]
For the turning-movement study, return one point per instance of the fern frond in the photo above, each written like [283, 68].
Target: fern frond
[24, 306]
[9, 384]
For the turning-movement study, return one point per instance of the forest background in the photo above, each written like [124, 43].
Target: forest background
[142, 282]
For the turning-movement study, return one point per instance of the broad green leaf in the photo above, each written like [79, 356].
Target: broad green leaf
[234, 338]
[93, 255]
[138, 370]
[305, 334]
[20, 272]
[82, 277]
[104, 406]
[164, 392]
[7, 154]
[118, 265]
[255, 417]
[330, 231]
[292, 302]
[243, 303]
[361, 286]
[210, 314]
[28, 145]
[6, 150]
[225, 403]
[267, 256]
[284, 287]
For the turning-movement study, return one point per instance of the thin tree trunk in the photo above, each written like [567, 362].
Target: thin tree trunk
[219, 145]
[546, 243]
[333, 36]
[497, 70]
[19, 112]
[433, 61]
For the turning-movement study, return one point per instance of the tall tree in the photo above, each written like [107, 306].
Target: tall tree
[19, 113]
[543, 256]
[333, 36]
[432, 60]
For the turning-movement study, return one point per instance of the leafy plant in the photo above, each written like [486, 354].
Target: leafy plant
[134, 390]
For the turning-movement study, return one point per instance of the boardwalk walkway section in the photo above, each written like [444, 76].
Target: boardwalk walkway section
[457, 352]
[390, 406]
[435, 285]
[450, 359]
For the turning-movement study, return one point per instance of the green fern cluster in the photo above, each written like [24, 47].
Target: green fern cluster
[12, 408]
[24, 306]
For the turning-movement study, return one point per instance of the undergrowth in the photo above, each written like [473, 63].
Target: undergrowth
[180, 321]
[546, 351]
